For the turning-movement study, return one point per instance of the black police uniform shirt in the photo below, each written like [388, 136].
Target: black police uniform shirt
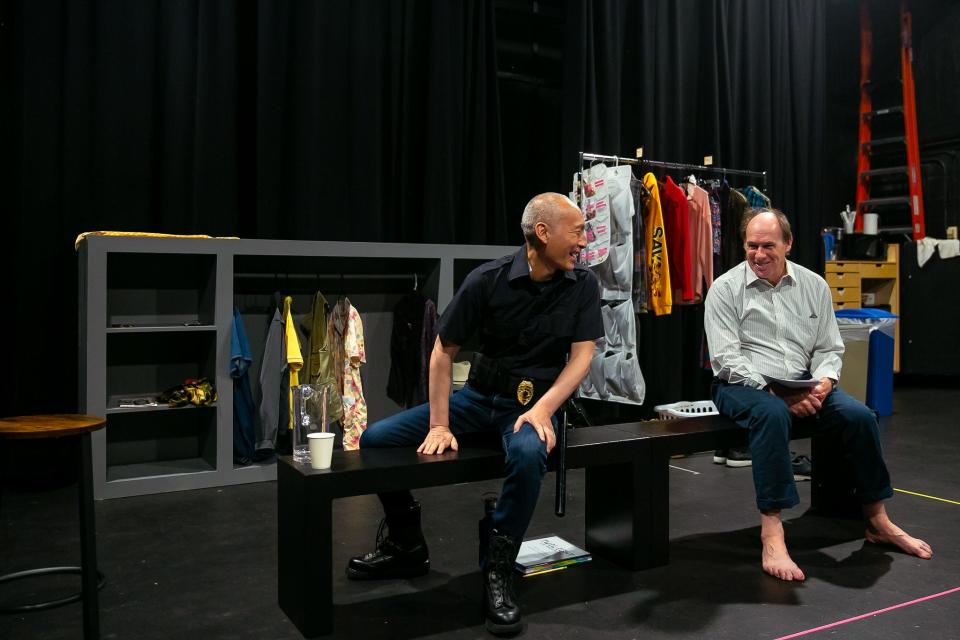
[527, 326]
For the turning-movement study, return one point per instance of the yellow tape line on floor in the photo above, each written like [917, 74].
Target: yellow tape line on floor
[923, 495]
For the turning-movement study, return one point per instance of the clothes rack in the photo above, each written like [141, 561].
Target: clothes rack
[329, 276]
[681, 166]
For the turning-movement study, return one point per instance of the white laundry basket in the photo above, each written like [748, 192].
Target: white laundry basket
[684, 409]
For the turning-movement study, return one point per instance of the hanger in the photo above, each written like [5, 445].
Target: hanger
[633, 175]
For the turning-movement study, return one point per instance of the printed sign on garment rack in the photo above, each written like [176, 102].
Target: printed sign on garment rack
[590, 191]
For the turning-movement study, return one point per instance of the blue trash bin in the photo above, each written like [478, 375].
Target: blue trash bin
[879, 354]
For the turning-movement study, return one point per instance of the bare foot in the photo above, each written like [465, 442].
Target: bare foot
[881, 530]
[777, 561]
[774, 556]
[892, 534]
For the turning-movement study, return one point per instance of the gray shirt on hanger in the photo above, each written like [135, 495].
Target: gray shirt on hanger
[271, 381]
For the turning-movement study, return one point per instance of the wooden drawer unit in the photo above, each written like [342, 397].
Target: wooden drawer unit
[878, 270]
[846, 278]
[845, 294]
[846, 305]
[841, 266]
[850, 279]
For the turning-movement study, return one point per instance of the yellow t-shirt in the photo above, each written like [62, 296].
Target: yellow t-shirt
[291, 349]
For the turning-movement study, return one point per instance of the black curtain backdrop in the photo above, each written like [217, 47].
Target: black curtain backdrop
[369, 120]
[334, 120]
[741, 80]
[384, 113]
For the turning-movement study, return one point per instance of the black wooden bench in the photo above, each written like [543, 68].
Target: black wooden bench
[626, 502]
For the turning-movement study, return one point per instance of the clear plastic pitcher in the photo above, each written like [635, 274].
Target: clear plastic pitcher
[309, 416]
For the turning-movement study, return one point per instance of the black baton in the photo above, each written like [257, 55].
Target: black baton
[560, 503]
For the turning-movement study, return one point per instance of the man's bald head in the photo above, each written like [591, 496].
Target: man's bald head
[546, 208]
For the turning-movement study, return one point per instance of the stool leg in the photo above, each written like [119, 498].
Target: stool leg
[88, 543]
[832, 491]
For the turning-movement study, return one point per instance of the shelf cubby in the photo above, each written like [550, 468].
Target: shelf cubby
[148, 289]
[145, 364]
[151, 444]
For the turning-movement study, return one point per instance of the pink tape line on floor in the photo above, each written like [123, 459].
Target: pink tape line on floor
[867, 615]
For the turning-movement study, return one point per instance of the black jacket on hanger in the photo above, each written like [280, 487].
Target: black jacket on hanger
[405, 353]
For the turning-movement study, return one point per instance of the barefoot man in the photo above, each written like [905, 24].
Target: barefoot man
[771, 318]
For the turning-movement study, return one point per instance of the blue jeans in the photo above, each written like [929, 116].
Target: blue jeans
[769, 422]
[473, 412]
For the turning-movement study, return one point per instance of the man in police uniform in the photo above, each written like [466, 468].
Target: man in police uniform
[531, 310]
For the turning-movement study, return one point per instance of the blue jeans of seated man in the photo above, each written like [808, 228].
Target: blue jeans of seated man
[472, 412]
[769, 422]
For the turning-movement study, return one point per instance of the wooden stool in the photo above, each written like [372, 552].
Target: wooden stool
[58, 426]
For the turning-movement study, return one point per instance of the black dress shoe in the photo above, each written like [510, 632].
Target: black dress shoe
[401, 554]
[501, 611]
[390, 560]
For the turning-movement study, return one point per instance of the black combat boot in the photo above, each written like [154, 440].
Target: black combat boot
[500, 602]
[401, 554]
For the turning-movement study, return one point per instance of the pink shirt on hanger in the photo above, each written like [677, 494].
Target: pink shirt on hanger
[701, 240]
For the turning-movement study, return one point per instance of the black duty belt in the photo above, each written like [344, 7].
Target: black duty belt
[488, 377]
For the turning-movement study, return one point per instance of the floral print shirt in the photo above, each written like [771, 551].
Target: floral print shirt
[354, 406]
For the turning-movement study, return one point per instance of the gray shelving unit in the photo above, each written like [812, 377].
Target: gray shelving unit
[154, 311]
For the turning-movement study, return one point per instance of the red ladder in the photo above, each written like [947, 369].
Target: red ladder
[871, 148]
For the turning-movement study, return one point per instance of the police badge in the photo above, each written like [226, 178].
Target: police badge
[525, 392]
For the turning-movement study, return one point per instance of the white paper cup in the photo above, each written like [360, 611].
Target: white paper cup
[321, 449]
[870, 223]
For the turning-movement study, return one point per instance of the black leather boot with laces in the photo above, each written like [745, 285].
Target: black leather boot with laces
[500, 601]
[402, 553]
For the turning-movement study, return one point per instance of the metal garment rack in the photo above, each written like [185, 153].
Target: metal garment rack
[681, 166]
[560, 502]
[327, 276]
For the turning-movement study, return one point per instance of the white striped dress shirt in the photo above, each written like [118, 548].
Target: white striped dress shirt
[787, 331]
